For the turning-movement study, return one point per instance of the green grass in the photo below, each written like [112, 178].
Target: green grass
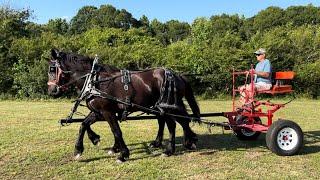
[32, 145]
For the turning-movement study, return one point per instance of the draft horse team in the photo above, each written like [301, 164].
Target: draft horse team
[157, 88]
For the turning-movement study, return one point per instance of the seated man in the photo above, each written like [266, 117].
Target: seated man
[262, 80]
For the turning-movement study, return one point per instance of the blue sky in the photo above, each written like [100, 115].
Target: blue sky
[163, 10]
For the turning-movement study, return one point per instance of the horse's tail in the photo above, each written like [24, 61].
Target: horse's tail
[191, 100]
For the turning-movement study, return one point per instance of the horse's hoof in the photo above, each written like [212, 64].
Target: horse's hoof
[111, 152]
[155, 145]
[193, 146]
[167, 153]
[96, 142]
[164, 155]
[77, 156]
[120, 160]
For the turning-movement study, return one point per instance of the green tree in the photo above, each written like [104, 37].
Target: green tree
[124, 19]
[300, 15]
[177, 31]
[58, 26]
[201, 31]
[160, 31]
[83, 20]
[223, 23]
[269, 18]
[12, 26]
[144, 21]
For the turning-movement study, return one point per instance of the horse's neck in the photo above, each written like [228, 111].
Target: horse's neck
[109, 69]
[103, 72]
[80, 78]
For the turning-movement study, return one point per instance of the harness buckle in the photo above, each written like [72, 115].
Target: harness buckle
[126, 87]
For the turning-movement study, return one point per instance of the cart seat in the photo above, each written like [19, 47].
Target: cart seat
[282, 83]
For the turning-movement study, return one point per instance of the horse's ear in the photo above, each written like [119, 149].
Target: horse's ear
[54, 53]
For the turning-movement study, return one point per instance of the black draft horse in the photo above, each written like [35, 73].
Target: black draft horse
[144, 90]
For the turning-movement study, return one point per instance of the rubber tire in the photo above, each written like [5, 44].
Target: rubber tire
[244, 137]
[272, 134]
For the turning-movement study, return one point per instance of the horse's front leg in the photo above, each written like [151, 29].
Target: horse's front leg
[115, 128]
[158, 141]
[79, 148]
[94, 138]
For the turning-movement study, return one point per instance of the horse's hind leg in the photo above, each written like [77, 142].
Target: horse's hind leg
[79, 148]
[172, 136]
[158, 141]
[190, 138]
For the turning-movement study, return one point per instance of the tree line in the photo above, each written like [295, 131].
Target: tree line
[206, 50]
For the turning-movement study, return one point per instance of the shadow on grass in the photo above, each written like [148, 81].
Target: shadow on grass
[209, 144]
[95, 158]
[311, 142]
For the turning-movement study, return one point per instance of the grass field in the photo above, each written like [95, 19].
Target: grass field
[32, 145]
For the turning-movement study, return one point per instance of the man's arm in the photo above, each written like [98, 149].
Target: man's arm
[262, 74]
[266, 70]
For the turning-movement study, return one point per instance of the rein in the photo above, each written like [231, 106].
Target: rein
[65, 86]
[121, 75]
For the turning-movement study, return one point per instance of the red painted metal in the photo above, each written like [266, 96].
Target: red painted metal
[255, 127]
[254, 108]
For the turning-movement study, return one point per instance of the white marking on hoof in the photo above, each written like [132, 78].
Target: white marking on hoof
[77, 157]
[164, 155]
[119, 161]
[98, 144]
[193, 146]
[110, 152]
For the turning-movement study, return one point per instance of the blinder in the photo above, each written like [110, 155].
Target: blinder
[52, 69]
[55, 72]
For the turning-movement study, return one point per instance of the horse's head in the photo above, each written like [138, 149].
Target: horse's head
[69, 68]
[64, 69]
[58, 74]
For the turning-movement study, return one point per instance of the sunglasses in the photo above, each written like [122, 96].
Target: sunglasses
[258, 54]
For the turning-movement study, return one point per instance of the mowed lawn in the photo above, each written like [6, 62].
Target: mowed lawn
[33, 145]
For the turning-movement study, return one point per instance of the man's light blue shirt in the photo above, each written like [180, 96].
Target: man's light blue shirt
[264, 66]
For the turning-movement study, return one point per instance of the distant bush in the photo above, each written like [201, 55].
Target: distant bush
[308, 79]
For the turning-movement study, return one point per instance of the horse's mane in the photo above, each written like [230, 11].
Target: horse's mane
[77, 58]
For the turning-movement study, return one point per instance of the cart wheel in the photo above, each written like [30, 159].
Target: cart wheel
[284, 137]
[245, 134]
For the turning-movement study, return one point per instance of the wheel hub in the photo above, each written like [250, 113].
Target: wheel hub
[287, 138]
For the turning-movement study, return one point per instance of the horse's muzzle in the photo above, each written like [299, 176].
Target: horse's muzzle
[54, 90]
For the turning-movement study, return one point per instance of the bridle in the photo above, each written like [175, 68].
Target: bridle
[55, 68]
